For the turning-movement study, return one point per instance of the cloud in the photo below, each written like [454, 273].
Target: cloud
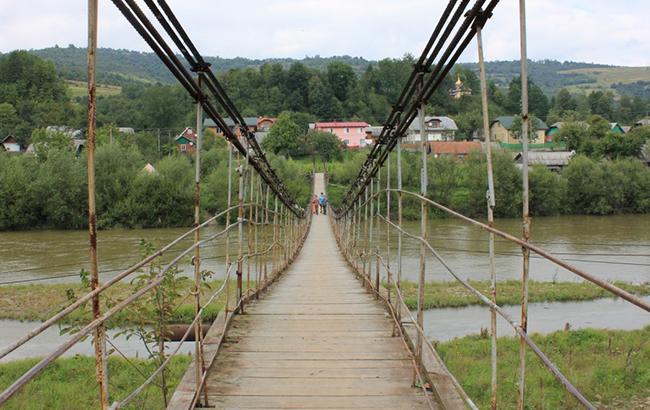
[579, 30]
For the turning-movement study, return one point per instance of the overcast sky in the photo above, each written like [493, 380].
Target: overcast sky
[600, 31]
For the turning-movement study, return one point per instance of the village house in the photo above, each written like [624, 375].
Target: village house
[553, 160]
[372, 133]
[642, 122]
[458, 150]
[186, 141]
[10, 144]
[260, 126]
[501, 130]
[555, 128]
[435, 128]
[353, 134]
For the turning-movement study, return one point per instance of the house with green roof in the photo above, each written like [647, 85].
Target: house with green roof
[502, 131]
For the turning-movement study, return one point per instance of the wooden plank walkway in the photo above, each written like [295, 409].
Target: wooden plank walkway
[316, 339]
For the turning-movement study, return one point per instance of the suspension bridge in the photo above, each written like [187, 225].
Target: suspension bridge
[313, 314]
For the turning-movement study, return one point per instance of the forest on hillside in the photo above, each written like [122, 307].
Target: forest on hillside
[33, 95]
[122, 67]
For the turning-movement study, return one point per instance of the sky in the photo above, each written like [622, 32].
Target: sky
[598, 31]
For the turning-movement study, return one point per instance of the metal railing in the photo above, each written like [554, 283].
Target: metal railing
[354, 231]
[353, 222]
[274, 237]
[258, 184]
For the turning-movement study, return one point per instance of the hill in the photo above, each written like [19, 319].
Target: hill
[121, 67]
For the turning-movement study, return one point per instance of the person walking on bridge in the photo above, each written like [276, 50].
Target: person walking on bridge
[322, 201]
[314, 205]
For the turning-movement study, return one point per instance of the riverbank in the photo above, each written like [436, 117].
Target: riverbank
[453, 294]
[609, 367]
[70, 383]
[39, 302]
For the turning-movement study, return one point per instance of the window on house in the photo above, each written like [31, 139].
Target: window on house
[347, 130]
[360, 130]
[346, 142]
[331, 131]
[183, 147]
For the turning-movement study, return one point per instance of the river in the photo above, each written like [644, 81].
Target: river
[610, 247]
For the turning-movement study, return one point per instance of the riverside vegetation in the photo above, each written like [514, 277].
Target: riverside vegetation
[620, 381]
[38, 302]
[609, 367]
[74, 379]
[47, 190]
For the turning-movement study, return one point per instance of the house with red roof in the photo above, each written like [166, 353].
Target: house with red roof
[353, 133]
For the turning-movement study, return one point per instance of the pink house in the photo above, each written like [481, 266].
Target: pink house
[353, 134]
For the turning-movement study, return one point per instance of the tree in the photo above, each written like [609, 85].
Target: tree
[8, 119]
[537, 100]
[285, 137]
[601, 103]
[563, 103]
[322, 101]
[38, 96]
[518, 126]
[629, 145]
[164, 107]
[341, 79]
[574, 134]
[325, 146]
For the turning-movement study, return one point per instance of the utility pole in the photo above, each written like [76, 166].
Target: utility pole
[99, 336]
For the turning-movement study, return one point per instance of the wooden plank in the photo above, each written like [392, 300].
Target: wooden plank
[411, 401]
[291, 356]
[309, 387]
[299, 345]
[316, 339]
[233, 372]
[279, 364]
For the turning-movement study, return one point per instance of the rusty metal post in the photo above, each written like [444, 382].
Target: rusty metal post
[285, 235]
[372, 227]
[276, 234]
[357, 241]
[229, 204]
[388, 272]
[423, 225]
[266, 230]
[99, 336]
[257, 202]
[249, 234]
[240, 231]
[399, 213]
[365, 229]
[490, 213]
[198, 325]
[526, 216]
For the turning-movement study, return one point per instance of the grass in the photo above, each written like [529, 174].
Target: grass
[605, 77]
[38, 302]
[453, 294]
[70, 383]
[611, 368]
[80, 89]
